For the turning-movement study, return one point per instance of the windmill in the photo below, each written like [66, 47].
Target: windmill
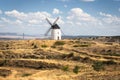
[55, 30]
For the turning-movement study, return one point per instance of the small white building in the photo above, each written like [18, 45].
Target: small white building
[55, 30]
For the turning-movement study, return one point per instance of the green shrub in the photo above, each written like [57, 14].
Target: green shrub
[76, 69]
[32, 44]
[26, 74]
[44, 46]
[78, 41]
[76, 58]
[35, 46]
[53, 46]
[109, 43]
[110, 62]
[97, 66]
[65, 68]
[84, 45]
[59, 43]
[81, 45]
[75, 45]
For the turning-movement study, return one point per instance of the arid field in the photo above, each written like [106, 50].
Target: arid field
[78, 59]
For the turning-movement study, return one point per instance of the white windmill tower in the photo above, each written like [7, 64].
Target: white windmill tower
[55, 30]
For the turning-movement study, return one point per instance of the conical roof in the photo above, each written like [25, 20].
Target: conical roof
[55, 26]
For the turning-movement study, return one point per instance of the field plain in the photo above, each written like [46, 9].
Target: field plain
[78, 59]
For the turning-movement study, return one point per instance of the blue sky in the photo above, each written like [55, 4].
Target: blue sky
[77, 17]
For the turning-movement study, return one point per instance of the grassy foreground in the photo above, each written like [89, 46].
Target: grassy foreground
[82, 59]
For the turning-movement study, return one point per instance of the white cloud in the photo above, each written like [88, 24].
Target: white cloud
[33, 21]
[104, 14]
[78, 16]
[56, 11]
[8, 21]
[18, 22]
[0, 11]
[77, 21]
[5, 20]
[65, 6]
[15, 13]
[119, 9]
[88, 0]
[28, 18]
[110, 19]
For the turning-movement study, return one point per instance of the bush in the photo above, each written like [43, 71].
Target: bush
[109, 43]
[65, 68]
[59, 43]
[35, 46]
[44, 46]
[26, 74]
[76, 46]
[76, 69]
[7, 45]
[70, 55]
[84, 45]
[53, 46]
[5, 72]
[76, 58]
[97, 66]
[110, 62]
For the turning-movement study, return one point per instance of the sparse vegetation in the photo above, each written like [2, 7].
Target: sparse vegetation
[44, 46]
[26, 74]
[35, 46]
[5, 72]
[49, 57]
[81, 45]
[109, 62]
[97, 66]
[58, 43]
[53, 46]
[76, 69]
[76, 45]
[7, 45]
[65, 68]
[109, 43]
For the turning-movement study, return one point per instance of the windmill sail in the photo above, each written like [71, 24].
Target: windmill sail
[47, 31]
[55, 21]
[49, 22]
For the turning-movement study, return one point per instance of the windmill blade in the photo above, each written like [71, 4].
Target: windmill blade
[47, 32]
[49, 21]
[62, 32]
[55, 21]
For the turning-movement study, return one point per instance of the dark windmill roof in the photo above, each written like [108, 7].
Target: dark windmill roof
[55, 26]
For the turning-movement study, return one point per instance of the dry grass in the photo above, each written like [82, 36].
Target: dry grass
[30, 60]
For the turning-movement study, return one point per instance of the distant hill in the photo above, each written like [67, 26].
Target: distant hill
[8, 33]
[16, 36]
